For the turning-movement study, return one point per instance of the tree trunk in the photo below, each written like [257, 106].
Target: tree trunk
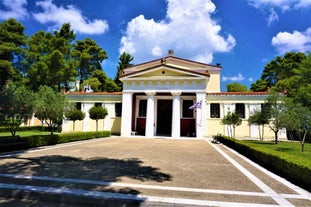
[303, 141]
[276, 136]
[73, 127]
[12, 131]
[96, 124]
[260, 137]
[52, 130]
[263, 131]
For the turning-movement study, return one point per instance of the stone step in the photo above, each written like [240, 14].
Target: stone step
[68, 196]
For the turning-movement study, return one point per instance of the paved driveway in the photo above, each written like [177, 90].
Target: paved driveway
[153, 171]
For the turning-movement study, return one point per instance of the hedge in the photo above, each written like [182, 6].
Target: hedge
[44, 140]
[31, 128]
[296, 173]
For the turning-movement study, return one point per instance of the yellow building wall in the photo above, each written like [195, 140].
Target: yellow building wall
[92, 125]
[115, 124]
[243, 130]
[213, 83]
[78, 126]
[214, 127]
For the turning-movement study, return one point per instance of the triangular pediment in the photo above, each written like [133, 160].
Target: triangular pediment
[175, 66]
[166, 72]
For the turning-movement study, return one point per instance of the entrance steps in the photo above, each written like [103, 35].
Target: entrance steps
[64, 192]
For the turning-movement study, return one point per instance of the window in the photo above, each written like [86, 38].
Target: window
[142, 108]
[186, 112]
[118, 109]
[98, 104]
[78, 106]
[215, 110]
[240, 109]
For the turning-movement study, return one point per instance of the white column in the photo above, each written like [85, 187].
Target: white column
[86, 120]
[150, 114]
[126, 119]
[201, 115]
[176, 114]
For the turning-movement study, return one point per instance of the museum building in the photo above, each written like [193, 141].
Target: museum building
[170, 97]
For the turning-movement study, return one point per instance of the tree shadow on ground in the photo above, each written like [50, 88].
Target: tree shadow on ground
[95, 169]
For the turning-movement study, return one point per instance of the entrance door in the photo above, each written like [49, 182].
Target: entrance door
[164, 118]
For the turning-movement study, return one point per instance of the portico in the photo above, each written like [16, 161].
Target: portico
[158, 95]
[156, 98]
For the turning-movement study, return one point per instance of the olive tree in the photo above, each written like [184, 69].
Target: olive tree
[16, 105]
[259, 118]
[49, 107]
[274, 105]
[297, 121]
[232, 119]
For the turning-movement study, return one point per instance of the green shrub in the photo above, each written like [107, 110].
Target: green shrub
[285, 166]
[44, 140]
[30, 128]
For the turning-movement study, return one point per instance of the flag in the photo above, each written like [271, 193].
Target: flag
[196, 105]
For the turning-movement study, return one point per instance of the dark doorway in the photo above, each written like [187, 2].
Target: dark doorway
[164, 118]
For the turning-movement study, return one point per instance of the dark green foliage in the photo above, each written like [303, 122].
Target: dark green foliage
[49, 59]
[52, 59]
[12, 42]
[44, 140]
[15, 143]
[236, 87]
[30, 128]
[89, 56]
[282, 73]
[125, 60]
[284, 165]
[277, 71]
[259, 86]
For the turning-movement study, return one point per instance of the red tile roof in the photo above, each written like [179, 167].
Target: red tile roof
[93, 93]
[250, 93]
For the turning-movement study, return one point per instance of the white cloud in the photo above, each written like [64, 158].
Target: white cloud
[250, 79]
[188, 29]
[157, 51]
[59, 15]
[273, 16]
[269, 7]
[303, 4]
[238, 77]
[14, 9]
[296, 41]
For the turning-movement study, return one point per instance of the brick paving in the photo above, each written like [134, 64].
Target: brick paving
[141, 172]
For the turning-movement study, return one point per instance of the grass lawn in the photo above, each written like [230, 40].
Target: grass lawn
[26, 133]
[287, 150]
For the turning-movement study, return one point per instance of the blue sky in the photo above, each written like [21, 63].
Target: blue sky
[241, 35]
